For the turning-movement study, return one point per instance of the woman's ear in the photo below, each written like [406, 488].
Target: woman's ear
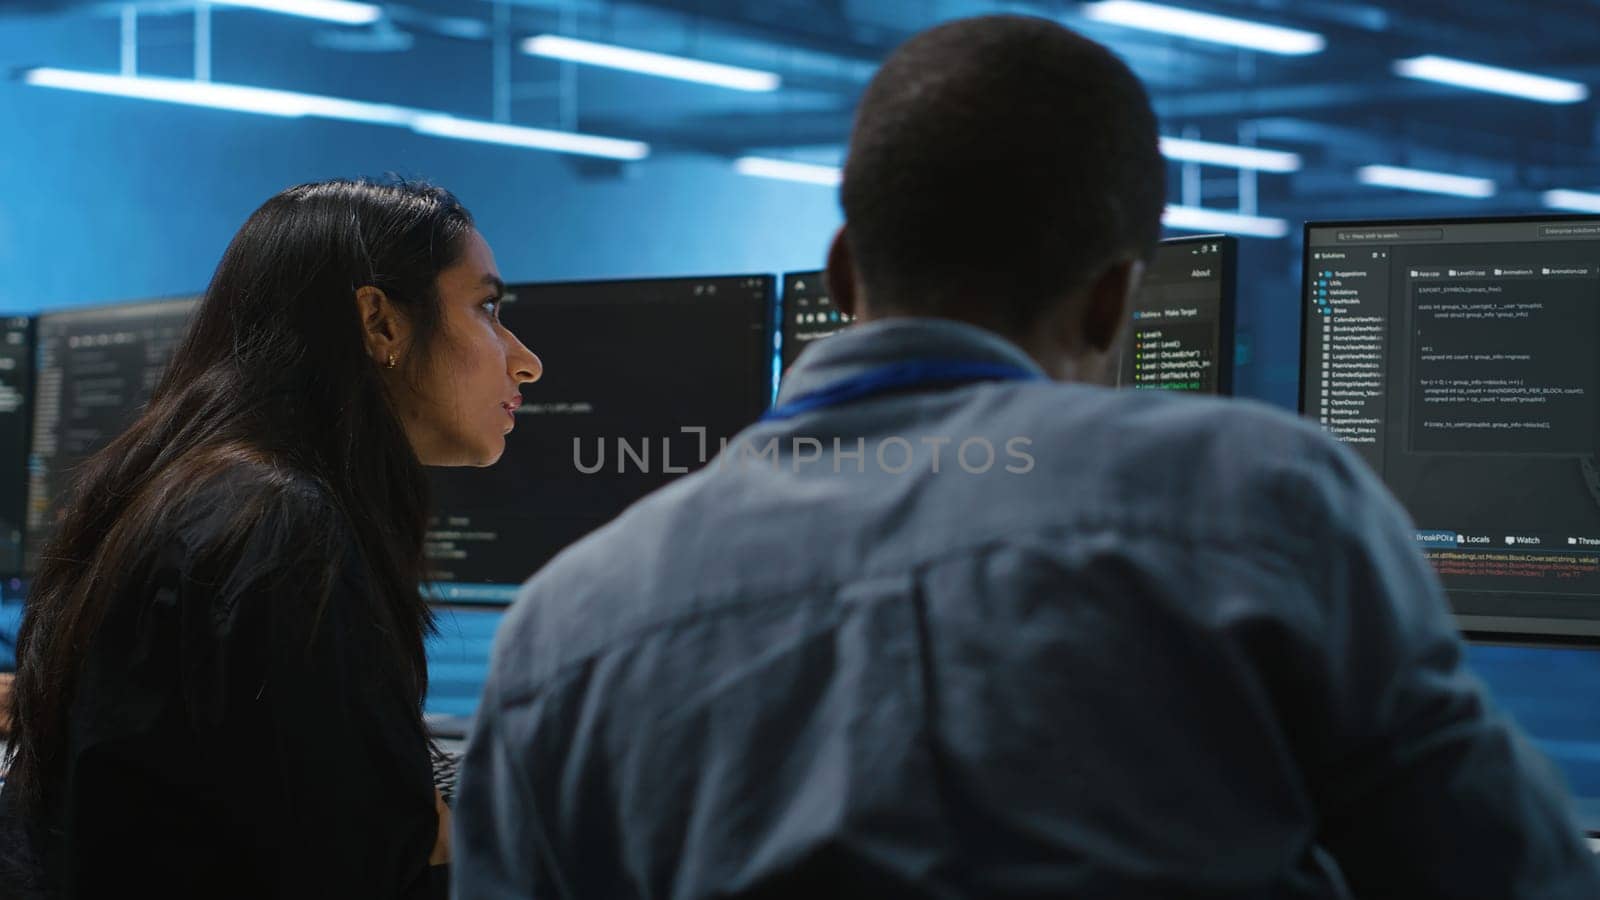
[383, 326]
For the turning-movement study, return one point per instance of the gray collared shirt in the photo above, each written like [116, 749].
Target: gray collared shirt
[1002, 639]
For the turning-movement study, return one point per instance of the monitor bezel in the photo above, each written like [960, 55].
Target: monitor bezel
[1528, 631]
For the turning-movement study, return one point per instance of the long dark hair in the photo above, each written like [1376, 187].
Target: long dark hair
[273, 374]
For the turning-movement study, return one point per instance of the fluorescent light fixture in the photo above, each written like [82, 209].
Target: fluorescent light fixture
[441, 125]
[1194, 218]
[289, 104]
[1206, 27]
[215, 95]
[1492, 79]
[342, 11]
[1579, 201]
[660, 64]
[1426, 182]
[1230, 155]
[786, 170]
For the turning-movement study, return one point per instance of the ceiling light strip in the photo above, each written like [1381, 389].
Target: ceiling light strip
[1425, 181]
[787, 170]
[1492, 79]
[342, 12]
[1194, 218]
[290, 104]
[1255, 158]
[659, 64]
[1187, 23]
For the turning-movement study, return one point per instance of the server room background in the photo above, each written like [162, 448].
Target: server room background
[108, 198]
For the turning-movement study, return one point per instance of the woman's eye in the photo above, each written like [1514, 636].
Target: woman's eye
[492, 307]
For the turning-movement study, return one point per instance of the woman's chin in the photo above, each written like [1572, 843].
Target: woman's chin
[467, 457]
[491, 455]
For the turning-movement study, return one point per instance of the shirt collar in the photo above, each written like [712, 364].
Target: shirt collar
[860, 348]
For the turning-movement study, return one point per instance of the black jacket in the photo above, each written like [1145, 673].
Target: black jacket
[235, 734]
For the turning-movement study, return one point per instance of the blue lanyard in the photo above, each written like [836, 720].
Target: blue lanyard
[900, 376]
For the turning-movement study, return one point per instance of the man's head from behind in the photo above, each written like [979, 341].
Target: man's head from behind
[1003, 171]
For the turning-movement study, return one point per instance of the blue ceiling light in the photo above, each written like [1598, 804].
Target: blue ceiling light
[291, 104]
[1577, 201]
[216, 95]
[1230, 155]
[344, 12]
[786, 170]
[1492, 79]
[1199, 26]
[1425, 181]
[533, 138]
[1194, 218]
[659, 64]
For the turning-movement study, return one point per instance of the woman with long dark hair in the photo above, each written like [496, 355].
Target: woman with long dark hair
[221, 668]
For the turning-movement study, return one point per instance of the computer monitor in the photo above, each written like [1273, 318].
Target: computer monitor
[807, 314]
[643, 381]
[94, 371]
[1180, 337]
[1458, 357]
[16, 391]
[1180, 333]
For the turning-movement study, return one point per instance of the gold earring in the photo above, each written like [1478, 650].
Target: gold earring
[393, 360]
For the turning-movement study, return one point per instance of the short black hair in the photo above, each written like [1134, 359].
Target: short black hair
[996, 163]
